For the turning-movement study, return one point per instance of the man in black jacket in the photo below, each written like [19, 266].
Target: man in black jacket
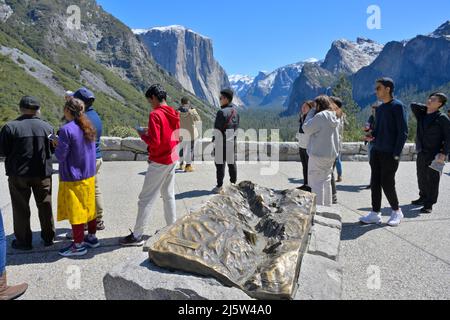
[433, 141]
[25, 144]
[226, 124]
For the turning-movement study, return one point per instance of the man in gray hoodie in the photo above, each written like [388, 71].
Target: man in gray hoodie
[322, 126]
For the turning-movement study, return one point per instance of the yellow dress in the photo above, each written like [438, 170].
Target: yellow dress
[76, 201]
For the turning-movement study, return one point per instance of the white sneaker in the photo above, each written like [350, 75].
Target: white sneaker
[396, 218]
[371, 218]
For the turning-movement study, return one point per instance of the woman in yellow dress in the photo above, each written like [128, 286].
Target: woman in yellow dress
[76, 155]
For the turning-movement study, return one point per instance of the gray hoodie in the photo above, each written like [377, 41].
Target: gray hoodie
[323, 131]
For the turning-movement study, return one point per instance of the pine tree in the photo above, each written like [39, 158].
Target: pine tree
[344, 90]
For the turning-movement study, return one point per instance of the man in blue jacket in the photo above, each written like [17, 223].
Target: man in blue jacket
[389, 138]
[88, 98]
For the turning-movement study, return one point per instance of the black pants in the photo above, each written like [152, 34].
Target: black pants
[428, 179]
[304, 158]
[227, 157]
[333, 182]
[20, 189]
[384, 167]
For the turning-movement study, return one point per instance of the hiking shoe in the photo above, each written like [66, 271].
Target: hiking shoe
[335, 199]
[396, 218]
[371, 218]
[427, 210]
[182, 167]
[22, 247]
[101, 225]
[91, 241]
[418, 202]
[339, 179]
[217, 190]
[73, 251]
[189, 168]
[131, 241]
[305, 188]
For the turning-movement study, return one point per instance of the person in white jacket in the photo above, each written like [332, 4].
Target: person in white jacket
[322, 126]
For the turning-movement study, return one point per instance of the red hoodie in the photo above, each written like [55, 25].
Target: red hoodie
[163, 135]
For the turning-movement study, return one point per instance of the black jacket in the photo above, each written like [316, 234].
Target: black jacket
[25, 144]
[433, 137]
[227, 119]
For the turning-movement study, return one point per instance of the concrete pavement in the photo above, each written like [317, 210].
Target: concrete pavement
[409, 262]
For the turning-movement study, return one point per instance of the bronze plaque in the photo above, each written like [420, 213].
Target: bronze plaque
[249, 237]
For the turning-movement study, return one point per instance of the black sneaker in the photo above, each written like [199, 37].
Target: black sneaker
[131, 241]
[335, 199]
[305, 188]
[426, 210]
[48, 243]
[418, 202]
[18, 246]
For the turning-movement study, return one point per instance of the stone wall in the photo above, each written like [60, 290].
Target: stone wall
[134, 149]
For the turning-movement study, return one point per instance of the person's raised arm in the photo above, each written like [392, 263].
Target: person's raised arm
[418, 110]
[312, 123]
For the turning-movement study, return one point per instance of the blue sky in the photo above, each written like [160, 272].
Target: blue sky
[251, 35]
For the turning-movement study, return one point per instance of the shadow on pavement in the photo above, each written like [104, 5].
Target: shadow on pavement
[352, 231]
[193, 194]
[41, 254]
[352, 189]
[296, 181]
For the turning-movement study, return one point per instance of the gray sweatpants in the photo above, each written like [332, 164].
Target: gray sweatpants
[319, 178]
[159, 179]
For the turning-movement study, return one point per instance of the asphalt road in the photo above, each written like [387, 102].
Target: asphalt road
[379, 262]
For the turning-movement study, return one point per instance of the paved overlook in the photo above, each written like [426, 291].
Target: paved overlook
[412, 261]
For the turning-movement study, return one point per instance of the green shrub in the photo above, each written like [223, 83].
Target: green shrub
[123, 132]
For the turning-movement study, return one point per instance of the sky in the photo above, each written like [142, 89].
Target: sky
[251, 36]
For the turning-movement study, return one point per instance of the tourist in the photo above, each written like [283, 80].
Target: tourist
[7, 292]
[322, 126]
[433, 141]
[303, 143]
[26, 145]
[162, 140]
[338, 164]
[89, 98]
[68, 95]
[75, 151]
[368, 129]
[226, 125]
[389, 138]
[189, 119]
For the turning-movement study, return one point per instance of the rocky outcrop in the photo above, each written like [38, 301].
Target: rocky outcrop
[344, 58]
[313, 81]
[241, 84]
[5, 11]
[420, 64]
[189, 57]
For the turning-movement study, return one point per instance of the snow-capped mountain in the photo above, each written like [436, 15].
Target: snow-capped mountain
[189, 57]
[240, 83]
[271, 87]
[349, 57]
[344, 58]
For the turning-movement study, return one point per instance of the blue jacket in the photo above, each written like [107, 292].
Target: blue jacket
[391, 128]
[97, 122]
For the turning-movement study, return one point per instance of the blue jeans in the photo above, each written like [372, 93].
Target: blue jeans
[339, 166]
[2, 246]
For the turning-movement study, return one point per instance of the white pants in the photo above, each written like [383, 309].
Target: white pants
[188, 149]
[319, 178]
[159, 178]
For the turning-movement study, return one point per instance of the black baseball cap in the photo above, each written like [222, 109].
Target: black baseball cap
[30, 103]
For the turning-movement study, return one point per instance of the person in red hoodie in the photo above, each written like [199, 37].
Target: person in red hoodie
[162, 138]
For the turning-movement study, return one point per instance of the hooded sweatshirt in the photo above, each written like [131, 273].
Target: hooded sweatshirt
[162, 137]
[323, 131]
[188, 119]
